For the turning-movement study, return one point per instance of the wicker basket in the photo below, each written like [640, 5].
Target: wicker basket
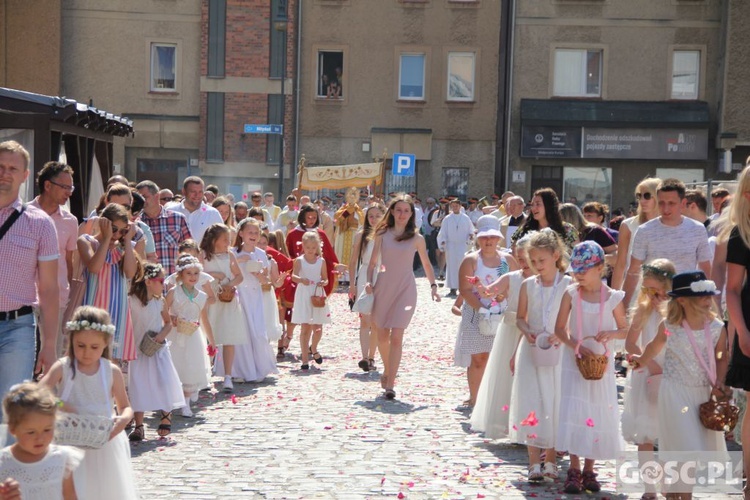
[148, 345]
[318, 298]
[266, 287]
[186, 327]
[227, 293]
[719, 415]
[592, 367]
[83, 431]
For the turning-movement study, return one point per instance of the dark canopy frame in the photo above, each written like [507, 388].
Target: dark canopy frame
[86, 131]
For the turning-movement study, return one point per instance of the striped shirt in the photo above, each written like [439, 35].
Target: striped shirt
[31, 239]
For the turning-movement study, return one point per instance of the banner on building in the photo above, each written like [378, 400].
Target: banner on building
[340, 176]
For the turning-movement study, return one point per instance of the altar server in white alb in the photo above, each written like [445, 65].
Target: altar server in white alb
[455, 232]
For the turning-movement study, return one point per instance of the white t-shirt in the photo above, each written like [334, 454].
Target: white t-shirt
[685, 245]
[199, 220]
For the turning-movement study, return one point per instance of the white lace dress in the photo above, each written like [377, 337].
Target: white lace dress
[106, 472]
[490, 413]
[537, 388]
[640, 416]
[42, 480]
[589, 417]
[684, 387]
[189, 353]
[153, 381]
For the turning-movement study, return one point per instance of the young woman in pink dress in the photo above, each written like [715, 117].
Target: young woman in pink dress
[396, 240]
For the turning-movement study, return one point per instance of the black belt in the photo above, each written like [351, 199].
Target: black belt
[6, 315]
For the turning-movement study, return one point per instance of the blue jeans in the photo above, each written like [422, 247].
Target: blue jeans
[17, 352]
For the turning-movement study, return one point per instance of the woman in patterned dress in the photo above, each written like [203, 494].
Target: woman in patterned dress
[109, 261]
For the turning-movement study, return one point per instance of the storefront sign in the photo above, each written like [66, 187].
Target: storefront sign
[614, 143]
[551, 142]
[645, 144]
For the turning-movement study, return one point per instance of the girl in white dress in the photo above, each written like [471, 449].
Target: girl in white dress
[255, 359]
[88, 382]
[270, 305]
[361, 254]
[227, 318]
[695, 365]
[640, 417]
[32, 466]
[311, 276]
[490, 413]
[189, 355]
[153, 382]
[589, 414]
[205, 281]
[536, 386]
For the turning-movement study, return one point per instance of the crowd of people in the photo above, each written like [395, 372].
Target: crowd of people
[139, 306]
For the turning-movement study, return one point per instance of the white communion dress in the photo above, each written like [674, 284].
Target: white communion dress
[41, 480]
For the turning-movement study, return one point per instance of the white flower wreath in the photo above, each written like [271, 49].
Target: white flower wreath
[74, 326]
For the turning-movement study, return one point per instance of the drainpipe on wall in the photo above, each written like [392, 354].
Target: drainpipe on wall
[298, 57]
[511, 38]
[504, 93]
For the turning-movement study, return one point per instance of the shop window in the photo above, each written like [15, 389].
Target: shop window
[163, 67]
[686, 175]
[461, 76]
[330, 74]
[686, 74]
[584, 184]
[399, 183]
[455, 182]
[411, 77]
[578, 73]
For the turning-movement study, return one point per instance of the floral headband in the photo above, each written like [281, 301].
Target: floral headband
[74, 326]
[188, 263]
[655, 270]
[152, 271]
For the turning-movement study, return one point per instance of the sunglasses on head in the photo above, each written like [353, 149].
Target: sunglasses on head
[645, 196]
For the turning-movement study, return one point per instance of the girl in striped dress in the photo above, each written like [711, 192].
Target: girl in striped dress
[110, 261]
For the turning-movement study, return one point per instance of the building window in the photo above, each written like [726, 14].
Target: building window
[277, 40]
[578, 73]
[274, 118]
[456, 182]
[584, 184]
[686, 74]
[215, 127]
[411, 77]
[163, 67]
[461, 76]
[217, 24]
[688, 176]
[330, 74]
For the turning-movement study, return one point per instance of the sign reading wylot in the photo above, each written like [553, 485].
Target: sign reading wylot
[614, 143]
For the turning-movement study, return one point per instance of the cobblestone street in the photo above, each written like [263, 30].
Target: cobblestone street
[329, 433]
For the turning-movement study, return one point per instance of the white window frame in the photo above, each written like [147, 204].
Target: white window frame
[695, 95]
[583, 91]
[319, 72]
[423, 55]
[458, 54]
[152, 60]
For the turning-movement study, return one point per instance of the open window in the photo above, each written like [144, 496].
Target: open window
[330, 74]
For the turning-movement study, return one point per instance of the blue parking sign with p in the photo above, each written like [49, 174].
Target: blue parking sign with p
[404, 165]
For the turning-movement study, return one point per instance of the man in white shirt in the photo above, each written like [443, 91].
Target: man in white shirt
[455, 231]
[671, 236]
[288, 216]
[474, 212]
[199, 215]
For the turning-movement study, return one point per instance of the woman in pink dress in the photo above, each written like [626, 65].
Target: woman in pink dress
[396, 240]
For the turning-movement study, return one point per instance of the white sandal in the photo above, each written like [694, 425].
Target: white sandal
[550, 471]
[535, 473]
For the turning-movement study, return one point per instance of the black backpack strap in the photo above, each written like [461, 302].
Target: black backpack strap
[11, 220]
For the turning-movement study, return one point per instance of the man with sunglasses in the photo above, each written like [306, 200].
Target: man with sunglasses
[55, 183]
[671, 236]
[28, 266]
[165, 196]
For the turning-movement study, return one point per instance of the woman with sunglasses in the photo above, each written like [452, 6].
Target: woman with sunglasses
[109, 261]
[645, 195]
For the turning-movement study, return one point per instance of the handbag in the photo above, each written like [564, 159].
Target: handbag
[227, 293]
[363, 304]
[318, 299]
[83, 431]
